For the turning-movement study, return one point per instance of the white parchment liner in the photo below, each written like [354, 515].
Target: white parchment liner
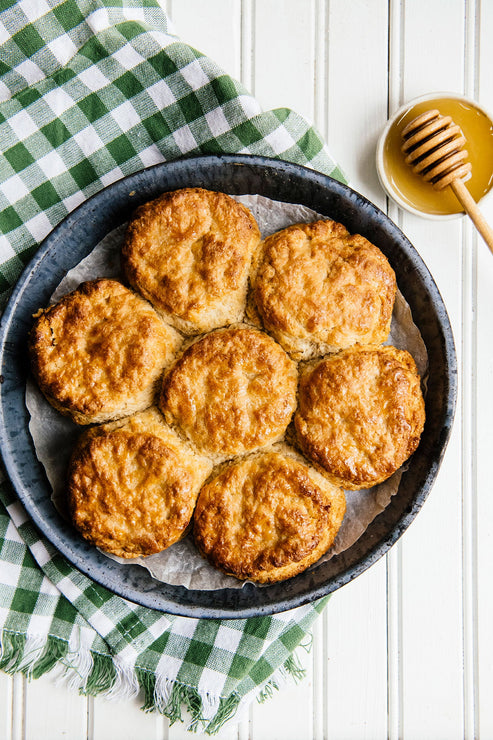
[54, 435]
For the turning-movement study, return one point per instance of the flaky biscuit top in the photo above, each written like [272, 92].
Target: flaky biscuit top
[189, 253]
[319, 289]
[267, 517]
[98, 352]
[360, 414]
[132, 485]
[232, 391]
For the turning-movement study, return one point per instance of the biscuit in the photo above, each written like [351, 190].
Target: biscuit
[99, 352]
[231, 392]
[360, 414]
[133, 485]
[267, 517]
[189, 253]
[318, 289]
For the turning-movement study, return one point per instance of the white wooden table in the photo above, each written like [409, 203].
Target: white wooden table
[405, 650]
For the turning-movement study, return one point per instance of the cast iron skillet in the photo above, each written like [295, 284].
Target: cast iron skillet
[75, 237]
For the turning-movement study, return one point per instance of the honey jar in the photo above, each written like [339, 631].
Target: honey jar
[409, 190]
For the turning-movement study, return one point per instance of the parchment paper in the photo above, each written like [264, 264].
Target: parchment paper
[54, 435]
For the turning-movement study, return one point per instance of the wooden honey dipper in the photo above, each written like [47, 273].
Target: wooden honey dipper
[434, 148]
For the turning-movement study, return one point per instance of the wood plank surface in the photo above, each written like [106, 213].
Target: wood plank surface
[68, 707]
[405, 651]
[6, 704]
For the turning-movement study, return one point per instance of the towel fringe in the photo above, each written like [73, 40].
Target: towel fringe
[126, 685]
[96, 674]
[98, 677]
[292, 669]
[33, 656]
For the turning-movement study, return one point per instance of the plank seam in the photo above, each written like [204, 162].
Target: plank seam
[469, 417]
[395, 62]
[247, 55]
[320, 112]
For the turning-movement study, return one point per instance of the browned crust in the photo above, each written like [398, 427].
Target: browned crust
[189, 252]
[132, 486]
[318, 289]
[360, 414]
[98, 353]
[267, 517]
[232, 391]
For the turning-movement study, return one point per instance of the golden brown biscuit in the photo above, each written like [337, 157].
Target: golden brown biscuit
[267, 517]
[231, 392]
[319, 289]
[189, 253]
[360, 414]
[98, 353]
[132, 485]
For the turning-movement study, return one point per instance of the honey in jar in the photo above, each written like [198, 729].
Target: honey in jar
[412, 190]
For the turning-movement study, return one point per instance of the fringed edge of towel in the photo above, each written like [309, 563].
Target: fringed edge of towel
[96, 674]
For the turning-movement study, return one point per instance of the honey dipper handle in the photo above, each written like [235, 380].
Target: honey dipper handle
[471, 208]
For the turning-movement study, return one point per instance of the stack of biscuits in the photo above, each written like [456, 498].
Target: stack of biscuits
[231, 387]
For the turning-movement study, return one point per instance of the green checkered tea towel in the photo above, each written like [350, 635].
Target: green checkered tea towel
[91, 92]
